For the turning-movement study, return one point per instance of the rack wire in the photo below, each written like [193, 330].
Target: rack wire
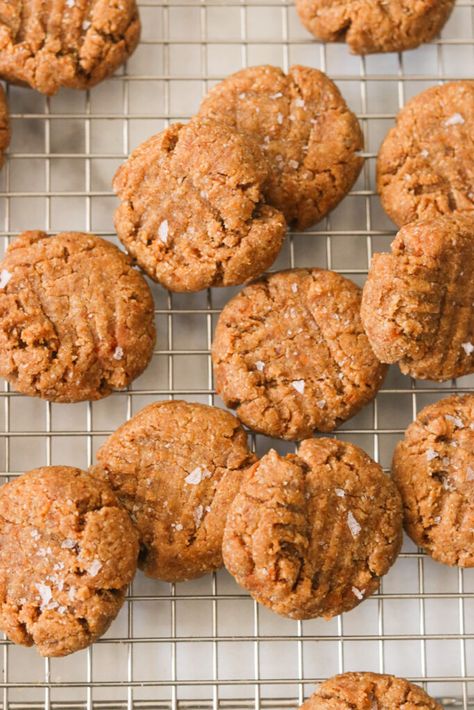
[206, 644]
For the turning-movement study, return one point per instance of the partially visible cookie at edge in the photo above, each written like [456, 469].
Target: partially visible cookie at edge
[425, 166]
[305, 129]
[433, 466]
[367, 691]
[192, 211]
[74, 44]
[4, 126]
[417, 303]
[67, 553]
[310, 535]
[375, 26]
[176, 466]
[76, 319]
[290, 354]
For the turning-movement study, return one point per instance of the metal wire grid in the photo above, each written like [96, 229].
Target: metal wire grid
[205, 644]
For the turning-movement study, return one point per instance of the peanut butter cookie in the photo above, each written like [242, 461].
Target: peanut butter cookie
[176, 467]
[74, 43]
[76, 320]
[290, 354]
[192, 211]
[4, 126]
[417, 303]
[425, 166]
[67, 554]
[369, 691]
[308, 134]
[311, 535]
[433, 467]
[375, 25]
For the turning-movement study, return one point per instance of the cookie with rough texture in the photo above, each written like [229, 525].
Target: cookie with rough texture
[76, 320]
[306, 131]
[425, 166]
[375, 25]
[311, 535]
[4, 126]
[67, 553]
[290, 354]
[433, 467]
[369, 691]
[176, 467]
[48, 44]
[417, 301]
[192, 212]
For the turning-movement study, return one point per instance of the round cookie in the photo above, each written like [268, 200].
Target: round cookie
[375, 25]
[176, 467]
[4, 126]
[76, 320]
[369, 691]
[290, 354]
[417, 301]
[425, 166]
[67, 553]
[48, 44]
[192, 212]
[305, 129]
[311, 535]
[433, 467]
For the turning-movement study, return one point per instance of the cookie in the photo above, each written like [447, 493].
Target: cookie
[369, 691]
[311, 535]
[425, 166]
[48, 44]
[417, 301]
[290, 354]
[303, 125]
[76, 320]
[192, 212]
[375, 25]
[67, 553]
[434, 469]
[176, 466]
[4, 126]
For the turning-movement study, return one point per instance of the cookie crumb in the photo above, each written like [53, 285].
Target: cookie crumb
[353, 524]
[454, 120]
[298, 385]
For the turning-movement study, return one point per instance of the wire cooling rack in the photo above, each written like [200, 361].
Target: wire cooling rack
[205, 644]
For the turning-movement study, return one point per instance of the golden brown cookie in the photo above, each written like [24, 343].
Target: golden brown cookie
[176, 467]
[305, 129]
[290, 354]
[74, 43]
[311, 535]
[434, 469]
[425, 166]
[369, 691]
[76, 320]
[417, 303]
[375, 25]
[192, 211]
[67, 553]
[4, 126]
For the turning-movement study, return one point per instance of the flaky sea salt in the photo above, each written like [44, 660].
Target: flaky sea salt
[35, 534]
[94, 568]
[353, 524]
[198, 513]
[280, 118]
[321, 403]
[457, 421]
[86, 24]
[163, 231]
[68, 544]
[260, 365]
[470, 473]
[70, 3]
[278, 95]
[45, 593]
[359, 593]
[5, 277]
[293, 164]
[298, 385]
[431, 454]
[424, 153]
[468, 348]
[177, 526]
[294, 288]
[118, 353]
[196, 475]
[299, 102]
[340, 492]
[454, 120]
